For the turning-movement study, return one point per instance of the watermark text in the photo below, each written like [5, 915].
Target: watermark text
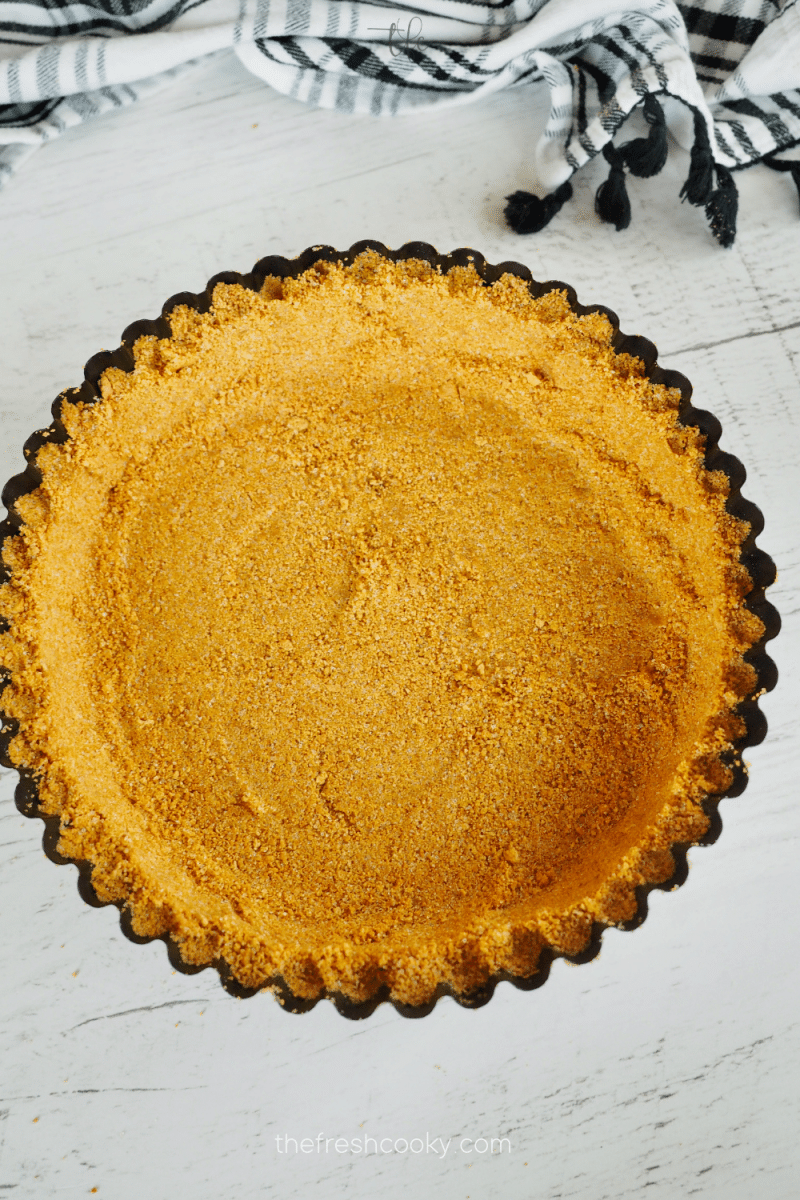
[439, 1146]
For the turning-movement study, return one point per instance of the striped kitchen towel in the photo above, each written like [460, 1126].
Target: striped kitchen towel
[721, 75]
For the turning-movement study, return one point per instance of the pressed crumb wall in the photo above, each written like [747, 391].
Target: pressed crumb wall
[379, 627]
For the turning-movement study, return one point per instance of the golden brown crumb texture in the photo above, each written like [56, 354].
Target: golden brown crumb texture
[379, 628]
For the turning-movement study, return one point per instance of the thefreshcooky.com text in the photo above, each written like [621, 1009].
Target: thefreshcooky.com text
[386, 1145]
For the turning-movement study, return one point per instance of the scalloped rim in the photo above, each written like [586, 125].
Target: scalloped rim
[758, 564]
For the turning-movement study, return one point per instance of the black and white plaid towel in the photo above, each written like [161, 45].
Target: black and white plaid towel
[722, 75]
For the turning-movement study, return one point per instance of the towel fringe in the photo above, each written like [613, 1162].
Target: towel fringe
[700, 181]
[611, 201]
[527, 213]
[646, 156]
[722, 207]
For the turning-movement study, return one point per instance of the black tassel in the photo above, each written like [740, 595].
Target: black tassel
[722, 207]
[611, 202]
[786, 164]
[700, 182]
[527, 213]
[646, 156]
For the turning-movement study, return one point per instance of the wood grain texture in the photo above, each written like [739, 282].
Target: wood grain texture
[671, 1062]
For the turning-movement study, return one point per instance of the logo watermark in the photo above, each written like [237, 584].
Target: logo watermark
[397, 38]
[438, 1146]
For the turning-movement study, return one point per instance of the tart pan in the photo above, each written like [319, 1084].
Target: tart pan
[758, 564]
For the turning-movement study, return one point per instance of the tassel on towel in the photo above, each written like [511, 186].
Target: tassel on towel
[527, 213]
[721, 203]
[722, 207]
[700, 181]
[646, 156]
[611, 202]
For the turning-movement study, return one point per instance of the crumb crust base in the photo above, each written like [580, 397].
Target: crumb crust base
[671, 871]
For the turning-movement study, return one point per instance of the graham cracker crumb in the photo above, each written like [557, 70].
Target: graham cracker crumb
[379, 628]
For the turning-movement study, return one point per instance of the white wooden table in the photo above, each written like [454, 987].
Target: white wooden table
[672, 1061]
